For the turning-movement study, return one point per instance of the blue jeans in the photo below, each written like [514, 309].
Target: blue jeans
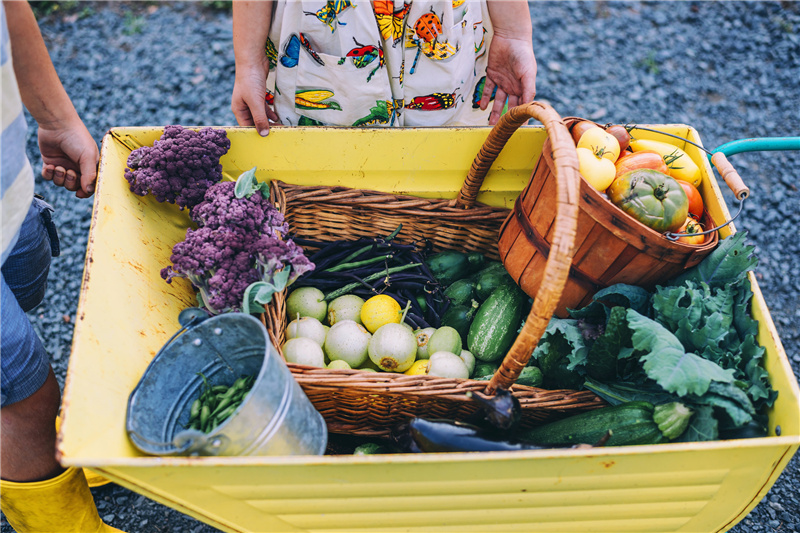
[24, 364]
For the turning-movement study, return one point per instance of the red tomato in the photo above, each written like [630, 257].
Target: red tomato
[621, 134]
[695, 199]
[579, 128]
[644, 159]
[691, 226]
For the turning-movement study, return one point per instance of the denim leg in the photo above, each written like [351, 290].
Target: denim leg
[24, 364]
[27, 266]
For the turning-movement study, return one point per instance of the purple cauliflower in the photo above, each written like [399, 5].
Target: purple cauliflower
[253, 213]
[273, 254]
[222, 262]
[180, 166]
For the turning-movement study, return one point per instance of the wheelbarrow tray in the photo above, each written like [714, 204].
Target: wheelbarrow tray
[126, 312]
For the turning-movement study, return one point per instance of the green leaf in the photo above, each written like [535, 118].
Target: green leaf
[760, 390]
[666, 362]
[620, 294]
[743, 319]
[702, 427]
[561, 354]
[727, 263]
[729, 399]
[617, 392]
[259, 293]
[247, 184]
[601, 360]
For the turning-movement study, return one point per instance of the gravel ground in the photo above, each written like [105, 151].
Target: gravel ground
[730, 69]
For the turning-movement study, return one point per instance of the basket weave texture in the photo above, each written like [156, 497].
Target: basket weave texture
[367, 403]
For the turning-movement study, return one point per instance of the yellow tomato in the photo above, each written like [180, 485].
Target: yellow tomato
[418, 368]
[380, 310]
[679, 165]
[600, 142]
[596, 169]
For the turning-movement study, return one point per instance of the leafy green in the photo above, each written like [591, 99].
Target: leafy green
[619, 295]
[729, 399]
[618, 392]
[614, 343]
[561, 354]
[692, 340]
[727, 263]
[716, 323]
[666, 362]
[702, 427]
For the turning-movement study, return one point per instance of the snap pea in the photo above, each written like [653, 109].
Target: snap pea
[216, 404]
[205, 411]
[195, 410]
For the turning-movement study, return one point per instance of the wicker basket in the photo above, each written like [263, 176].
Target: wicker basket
[367, 403]
[610, 247]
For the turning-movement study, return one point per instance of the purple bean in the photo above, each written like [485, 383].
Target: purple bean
[420, 322]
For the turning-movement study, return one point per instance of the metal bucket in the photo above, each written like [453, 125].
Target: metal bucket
[275, 418]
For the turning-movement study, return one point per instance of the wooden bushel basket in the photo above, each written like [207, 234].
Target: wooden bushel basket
[370, 403]
[610, 246]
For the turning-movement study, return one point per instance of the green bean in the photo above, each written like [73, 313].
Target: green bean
[386, 272]
[356, 264]
[357, 253]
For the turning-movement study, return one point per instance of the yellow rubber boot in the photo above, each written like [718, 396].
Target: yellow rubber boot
[94, 480]
[62, 504]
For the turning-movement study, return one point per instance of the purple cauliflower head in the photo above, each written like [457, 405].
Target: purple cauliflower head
[180, 166]
[274, 254]
[222, 262]
[252, 213]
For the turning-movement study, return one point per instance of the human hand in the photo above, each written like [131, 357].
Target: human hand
[511, 67]
[248, 101]
[70, 157]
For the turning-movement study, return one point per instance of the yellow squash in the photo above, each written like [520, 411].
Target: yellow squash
[680, 165]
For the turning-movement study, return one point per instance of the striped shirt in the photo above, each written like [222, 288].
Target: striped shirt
[16, 174]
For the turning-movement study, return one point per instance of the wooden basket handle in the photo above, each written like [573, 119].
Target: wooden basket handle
[495, 142]
[556, 270]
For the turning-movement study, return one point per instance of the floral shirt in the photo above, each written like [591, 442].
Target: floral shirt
[380, 63]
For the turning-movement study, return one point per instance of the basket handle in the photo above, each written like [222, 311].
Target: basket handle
[559, 260]
[496, 140]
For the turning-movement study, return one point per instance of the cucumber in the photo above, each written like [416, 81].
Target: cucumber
[449, 266]
[630, 423]
[460, 292]
[495, 325]
[530, 376]
[484, 371]
[490, 266]
[459, 317]
[487, 282]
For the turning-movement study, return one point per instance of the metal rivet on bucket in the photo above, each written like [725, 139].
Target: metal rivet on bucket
[275, 418]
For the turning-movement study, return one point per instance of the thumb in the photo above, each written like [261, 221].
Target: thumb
[259, 113]
[88, 166]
